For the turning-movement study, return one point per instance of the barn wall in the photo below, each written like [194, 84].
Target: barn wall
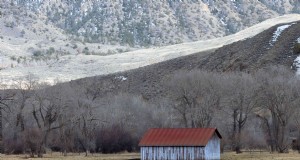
[212, 149]
[172, 153]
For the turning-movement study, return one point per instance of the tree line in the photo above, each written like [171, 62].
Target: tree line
[252, 111]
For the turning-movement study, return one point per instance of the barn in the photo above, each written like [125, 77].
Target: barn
[181, 144]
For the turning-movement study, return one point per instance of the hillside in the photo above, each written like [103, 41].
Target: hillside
[155, 23]
[29, 42]
[265, 49]
[65, 65]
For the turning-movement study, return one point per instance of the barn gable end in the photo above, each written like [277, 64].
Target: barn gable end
[211, 151]
[181, 144]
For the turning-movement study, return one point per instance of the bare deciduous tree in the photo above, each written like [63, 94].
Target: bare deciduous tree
[278, 100]
[48, 110]
[5, 96]
[196, 95]
[239, 100]
[82, 115]
[26, 88]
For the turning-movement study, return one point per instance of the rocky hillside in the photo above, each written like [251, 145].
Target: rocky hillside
[51, 55]
[28, 41]
[278, 45]
[53, 39]
[148, 23]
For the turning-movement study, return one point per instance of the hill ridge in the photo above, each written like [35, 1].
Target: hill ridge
[71, 67]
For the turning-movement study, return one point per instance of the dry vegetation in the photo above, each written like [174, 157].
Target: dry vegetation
[76, 156]
[92, 117]
[126, 156]
[260, 156]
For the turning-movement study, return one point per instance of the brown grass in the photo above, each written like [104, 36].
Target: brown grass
[261, 156]
[75, 156]
[126, 156]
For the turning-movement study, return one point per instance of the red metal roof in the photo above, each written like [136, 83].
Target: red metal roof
[178, 136]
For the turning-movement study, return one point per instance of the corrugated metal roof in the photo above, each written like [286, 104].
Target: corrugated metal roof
[178, 136]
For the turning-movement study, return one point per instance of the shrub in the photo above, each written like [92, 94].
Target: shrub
[32, 140]
[114, 139]
[75, 46]
[22, 33]
[109, 52]
[120, 50]
[50, 51]
[37, 53]
[13, 146]
[86, 51]
[297, 48]
[13, 58]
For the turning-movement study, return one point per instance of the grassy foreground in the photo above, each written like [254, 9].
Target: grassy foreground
[261, 156]
[127, 156]
[75, 156]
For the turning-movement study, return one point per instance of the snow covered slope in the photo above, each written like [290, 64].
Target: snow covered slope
[71, 66]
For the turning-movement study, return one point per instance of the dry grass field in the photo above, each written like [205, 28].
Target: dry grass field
[260, 156]
[128, 156]
[75, 156]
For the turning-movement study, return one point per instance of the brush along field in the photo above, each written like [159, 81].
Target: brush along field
[131, 156]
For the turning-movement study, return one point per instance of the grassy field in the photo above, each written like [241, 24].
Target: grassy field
[260, 156]
[127, 156]
[75, 156]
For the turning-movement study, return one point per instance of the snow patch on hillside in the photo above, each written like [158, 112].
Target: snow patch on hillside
[122, 78]
[223, 21]
[278, 32]
[297, 61]
[297, 65]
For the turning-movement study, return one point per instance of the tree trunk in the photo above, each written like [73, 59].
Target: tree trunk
[238, 140]
[65, 152]
[40, 154]
[281, 145]
[31, 154]
[1, 134]
[298, 142]
[268, 130]
[185, 120]
[87, 152]
[43, 143]
[234, 130]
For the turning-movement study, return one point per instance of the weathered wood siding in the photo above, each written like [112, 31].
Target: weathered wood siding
[210, 152]
[212, 149]
[172, 153]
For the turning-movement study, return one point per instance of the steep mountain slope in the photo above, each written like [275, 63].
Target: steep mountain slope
[73, 66]
[270, 47]
[162, 22]
[260, 51]
[28, 42]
